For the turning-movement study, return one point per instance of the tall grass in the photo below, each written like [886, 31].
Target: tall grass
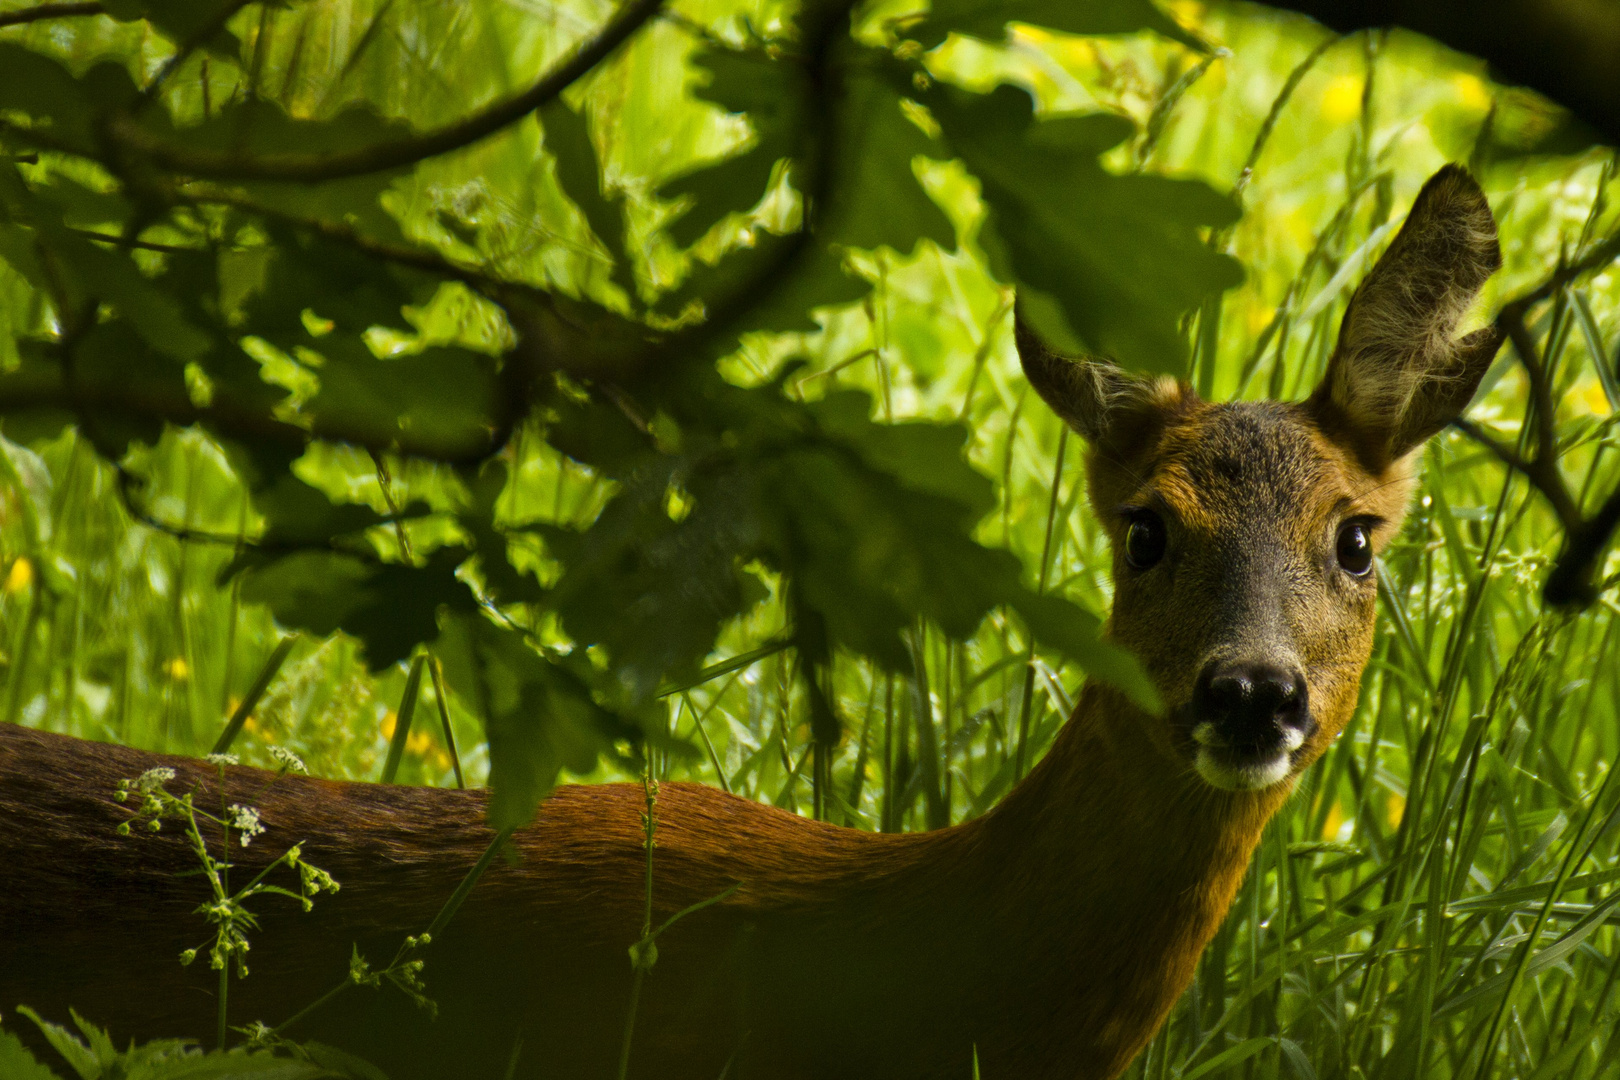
[1439, 898]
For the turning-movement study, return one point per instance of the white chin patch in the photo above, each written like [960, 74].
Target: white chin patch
[1248, 776]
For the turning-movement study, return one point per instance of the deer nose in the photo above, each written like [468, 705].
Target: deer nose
[1253, 707]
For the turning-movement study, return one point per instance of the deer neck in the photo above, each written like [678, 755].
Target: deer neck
[1115, 864]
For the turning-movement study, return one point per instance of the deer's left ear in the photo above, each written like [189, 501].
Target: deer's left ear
[1400, 373]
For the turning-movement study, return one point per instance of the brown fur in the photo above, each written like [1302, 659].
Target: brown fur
[1052, 935]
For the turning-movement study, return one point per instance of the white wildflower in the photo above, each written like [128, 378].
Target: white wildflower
[221, 760]
[246, 821]
[152, 779]
[290, 762]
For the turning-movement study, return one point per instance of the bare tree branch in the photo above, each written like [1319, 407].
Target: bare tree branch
[1535, 470]
[360, 549]
[414, 257]
[1565, 50]
[1542, 414]
[1586, 539]
[312, 168]
[1570, 582]
[144, 245]
[50, 389]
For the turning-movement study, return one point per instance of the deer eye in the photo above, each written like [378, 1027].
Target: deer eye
[1144, 540]
[1355, 548]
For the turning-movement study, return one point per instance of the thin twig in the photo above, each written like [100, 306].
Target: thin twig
[1512, 320]
[144, 245]
[343, 233]
[1570, 582]
[197, 40]
[1545, 480]
[378, 157]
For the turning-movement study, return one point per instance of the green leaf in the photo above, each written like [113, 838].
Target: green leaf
[112, 362]
[256, 126]
[922, 455]
[540, 716]
[654, 591]
[1116, 258]
[989, 18]
[82, 271]
[89, 1060]
[771, 93]
[1243, 1051]
[332, 280]
[297, 514]
[391, 608]
[734, 186]
[181, 21]
[1077, 633]
[503, 581]
[156, 315]
[95, 1058]
[442, 402]
[235, 1064]
[65, 109]
[83, 207]
[38, 377]
[877, 199]
[814, 277]
[339, 1063]
[580, 174]
[16, 1063]
[596, 433]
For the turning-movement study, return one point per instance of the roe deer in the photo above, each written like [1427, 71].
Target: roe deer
[1050, 936]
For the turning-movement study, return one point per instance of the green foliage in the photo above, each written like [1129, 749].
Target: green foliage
[681, 423]
[277, 316]
[92, 1056]
[1110, 261]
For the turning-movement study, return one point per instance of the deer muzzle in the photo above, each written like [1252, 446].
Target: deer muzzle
[1248, 721]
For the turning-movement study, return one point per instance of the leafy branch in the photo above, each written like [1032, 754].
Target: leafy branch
[1586, 538]
[380, 157]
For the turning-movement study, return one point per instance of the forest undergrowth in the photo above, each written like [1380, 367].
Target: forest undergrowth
[1439, 898]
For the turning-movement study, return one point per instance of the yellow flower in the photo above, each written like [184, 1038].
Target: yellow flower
[1335, 818]
[1188, 13]
[1259, 317]
[20, 577]
[1590, 400]
[1341, 100]
[1395, 809]
[1472, 90]
[177, 669]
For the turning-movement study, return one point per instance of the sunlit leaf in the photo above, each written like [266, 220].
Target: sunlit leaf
[988, 18]
[1119, 257]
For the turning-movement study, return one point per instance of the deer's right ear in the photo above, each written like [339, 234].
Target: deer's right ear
[1093, 396]
[1400, 373]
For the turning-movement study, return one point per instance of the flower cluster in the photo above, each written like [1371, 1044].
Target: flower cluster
[289, 761]
[245, 820]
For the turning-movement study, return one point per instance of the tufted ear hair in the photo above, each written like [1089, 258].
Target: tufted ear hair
[1112, 408]
[1400, 373]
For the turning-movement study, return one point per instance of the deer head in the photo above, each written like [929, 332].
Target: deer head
[1244, 533]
